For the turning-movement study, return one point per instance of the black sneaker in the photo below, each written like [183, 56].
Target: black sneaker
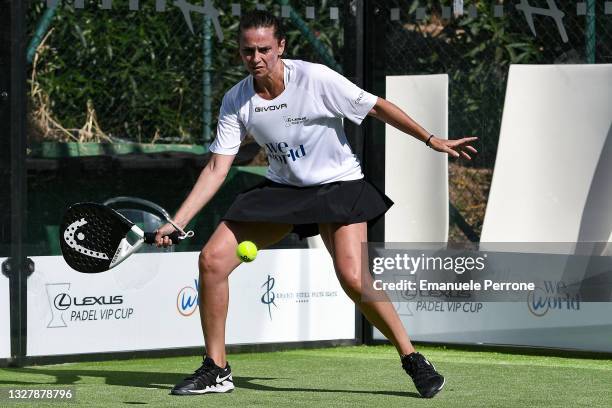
[426, 379]
[208, 378]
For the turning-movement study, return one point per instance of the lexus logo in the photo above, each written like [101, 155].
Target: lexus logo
[62, 301]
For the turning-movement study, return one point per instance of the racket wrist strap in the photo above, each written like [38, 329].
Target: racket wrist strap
[184, 234]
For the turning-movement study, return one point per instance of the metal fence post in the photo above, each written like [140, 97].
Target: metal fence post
[590, 32]
[13, 106]
[207, 83]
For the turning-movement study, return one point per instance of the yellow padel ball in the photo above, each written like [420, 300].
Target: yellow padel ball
[246, 251]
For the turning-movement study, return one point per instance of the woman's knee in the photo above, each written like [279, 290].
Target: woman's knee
[211, 263]
[349, 275]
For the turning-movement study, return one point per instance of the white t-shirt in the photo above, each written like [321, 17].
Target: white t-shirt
[301, 129]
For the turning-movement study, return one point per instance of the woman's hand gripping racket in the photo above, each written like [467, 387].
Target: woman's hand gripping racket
[95, 238]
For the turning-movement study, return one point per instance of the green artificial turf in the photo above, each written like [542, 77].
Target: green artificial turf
[334, 377]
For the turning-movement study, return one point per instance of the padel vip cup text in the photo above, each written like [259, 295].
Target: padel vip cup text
[71, 306]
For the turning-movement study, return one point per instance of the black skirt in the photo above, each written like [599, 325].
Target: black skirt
[343, 202]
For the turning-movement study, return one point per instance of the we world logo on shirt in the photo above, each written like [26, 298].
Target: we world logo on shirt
[281, 152]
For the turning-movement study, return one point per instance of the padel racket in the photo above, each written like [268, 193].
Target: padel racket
[95, 238]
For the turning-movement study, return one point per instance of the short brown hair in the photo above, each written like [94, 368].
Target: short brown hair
[261, 18]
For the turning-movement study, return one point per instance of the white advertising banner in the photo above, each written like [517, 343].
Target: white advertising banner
[151, 302]
[5, 317]
[544, 322]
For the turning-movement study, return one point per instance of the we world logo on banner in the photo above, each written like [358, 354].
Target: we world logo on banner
[187, 300]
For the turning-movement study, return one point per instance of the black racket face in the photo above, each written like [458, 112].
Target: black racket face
[89, 236]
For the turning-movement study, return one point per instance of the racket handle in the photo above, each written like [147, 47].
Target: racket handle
[149, 237]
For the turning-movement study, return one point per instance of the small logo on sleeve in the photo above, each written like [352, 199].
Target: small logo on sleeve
[359, 98]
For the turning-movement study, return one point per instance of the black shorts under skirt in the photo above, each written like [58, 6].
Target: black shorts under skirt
[343, 202]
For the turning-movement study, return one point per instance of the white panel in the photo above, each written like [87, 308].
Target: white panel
[554, 160]
[154, 303]
[5, 317]
[416, 177]
[315, 242]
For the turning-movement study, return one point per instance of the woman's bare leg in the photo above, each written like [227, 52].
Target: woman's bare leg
[344, 243]
[217, 260]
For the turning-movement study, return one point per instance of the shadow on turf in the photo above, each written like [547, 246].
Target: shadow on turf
[165, 381]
